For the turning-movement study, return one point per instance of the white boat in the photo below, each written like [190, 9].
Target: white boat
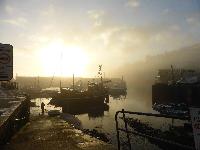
[54, 112]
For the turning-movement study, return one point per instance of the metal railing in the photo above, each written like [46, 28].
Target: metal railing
[128, 131]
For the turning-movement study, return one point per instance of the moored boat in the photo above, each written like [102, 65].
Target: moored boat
[177, 86]
[95, 93]
[118, 88]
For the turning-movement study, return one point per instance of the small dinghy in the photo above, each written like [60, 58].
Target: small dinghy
[54, 113]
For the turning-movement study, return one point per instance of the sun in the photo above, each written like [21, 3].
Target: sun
[62, 59]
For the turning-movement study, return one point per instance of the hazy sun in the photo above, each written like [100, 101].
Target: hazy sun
[63, 60]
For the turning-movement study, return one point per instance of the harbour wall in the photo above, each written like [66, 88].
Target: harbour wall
[14, 117]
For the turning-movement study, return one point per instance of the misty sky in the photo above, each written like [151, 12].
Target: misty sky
[108, 32]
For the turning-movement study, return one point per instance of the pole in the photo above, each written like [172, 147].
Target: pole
[126, 127]
[73, 81]
[38, 84]
[60, 85]
[117, 129]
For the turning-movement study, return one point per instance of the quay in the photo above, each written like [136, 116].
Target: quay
[14, 114]
[19, 131]
[52, 133]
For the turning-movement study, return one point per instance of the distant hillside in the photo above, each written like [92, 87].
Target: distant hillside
[142, 74]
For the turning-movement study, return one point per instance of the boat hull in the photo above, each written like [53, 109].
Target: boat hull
[114, 92]
[73, 101]
[176, 93]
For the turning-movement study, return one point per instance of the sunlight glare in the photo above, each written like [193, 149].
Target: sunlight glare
[63, 60]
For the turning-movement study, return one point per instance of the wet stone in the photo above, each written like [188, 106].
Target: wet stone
[51, 133]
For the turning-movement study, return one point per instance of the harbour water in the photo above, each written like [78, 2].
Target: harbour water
[106, 122]
[103, 119]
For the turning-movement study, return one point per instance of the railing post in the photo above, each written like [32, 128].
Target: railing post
[117, 127]
[126, 127]
[158, 139]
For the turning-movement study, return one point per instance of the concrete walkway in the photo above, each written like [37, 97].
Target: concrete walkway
[52, 133]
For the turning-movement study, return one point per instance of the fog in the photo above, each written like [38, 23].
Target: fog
[141, 75]
[114, 33]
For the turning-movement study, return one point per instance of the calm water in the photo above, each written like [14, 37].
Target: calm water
[103, 120]
[106, 123]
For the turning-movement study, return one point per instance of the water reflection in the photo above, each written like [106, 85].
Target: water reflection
[101, 117]
[92, 110]
[133, 101]
[118, 95]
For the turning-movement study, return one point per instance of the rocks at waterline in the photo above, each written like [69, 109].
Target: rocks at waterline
[97, 134]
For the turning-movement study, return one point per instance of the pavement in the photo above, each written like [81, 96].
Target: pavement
[52, 133]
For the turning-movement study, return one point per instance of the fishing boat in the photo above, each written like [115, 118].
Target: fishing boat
[177, 86]
[118, 88]
[95, 93]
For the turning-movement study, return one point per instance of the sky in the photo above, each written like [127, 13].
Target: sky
[62, 37]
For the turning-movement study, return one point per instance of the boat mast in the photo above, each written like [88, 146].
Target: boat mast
[38, 82]
[73, 81]
[172, 68]
[100, 73]
[61, 56]
[60, 85]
